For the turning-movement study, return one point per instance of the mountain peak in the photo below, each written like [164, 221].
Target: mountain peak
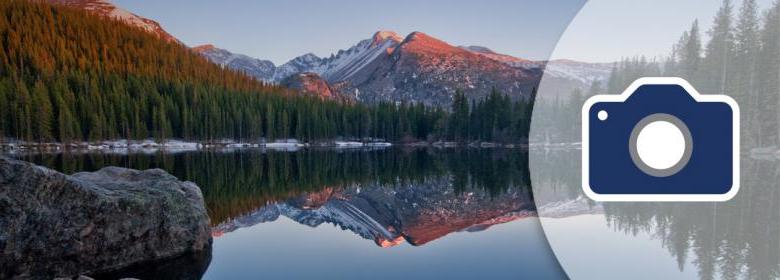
[421, 42]
[383, 35]
[417, 35]
[420, 37]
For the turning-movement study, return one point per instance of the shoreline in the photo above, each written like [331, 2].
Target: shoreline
[177, 145]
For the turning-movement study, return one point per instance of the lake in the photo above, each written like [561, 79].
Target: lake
[735, 239]
[350, 214]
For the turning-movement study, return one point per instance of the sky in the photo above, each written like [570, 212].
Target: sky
[279, 30]
[607, 30]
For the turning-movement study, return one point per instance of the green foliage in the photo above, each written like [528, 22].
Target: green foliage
[496, 118]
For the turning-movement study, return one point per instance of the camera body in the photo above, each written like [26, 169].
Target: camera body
[614, 129]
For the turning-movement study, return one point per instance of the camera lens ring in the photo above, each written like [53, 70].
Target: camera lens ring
[633, 149]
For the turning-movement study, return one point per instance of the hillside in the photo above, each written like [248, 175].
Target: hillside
[70, 75]
[107, 9]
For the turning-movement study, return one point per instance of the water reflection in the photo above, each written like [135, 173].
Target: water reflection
[391, 213]
[737, 239]
[387, 197]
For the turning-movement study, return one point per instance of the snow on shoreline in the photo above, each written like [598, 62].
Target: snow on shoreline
[175, 145]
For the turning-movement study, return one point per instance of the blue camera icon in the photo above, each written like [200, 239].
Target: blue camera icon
[660, 140]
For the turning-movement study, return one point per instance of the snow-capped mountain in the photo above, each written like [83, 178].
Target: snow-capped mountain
[257, 68]
[583, 72]
[107, 9]
[417, 68]
[304, 63]
[344, 64]
[338, 67]
[424, 69]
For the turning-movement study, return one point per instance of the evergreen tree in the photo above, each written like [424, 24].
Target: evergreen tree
[43, 113]
[747, 46]
[690, 52]
[719, 53]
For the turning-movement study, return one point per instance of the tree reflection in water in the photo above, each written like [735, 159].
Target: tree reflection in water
[737, 239]
[452, 189]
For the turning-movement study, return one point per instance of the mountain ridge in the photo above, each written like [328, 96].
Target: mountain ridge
[353, 71]
[107, 9]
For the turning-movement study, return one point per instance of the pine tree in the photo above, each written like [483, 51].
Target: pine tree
[690, 52]
[747, 46]
[43, 113]
[719, 52]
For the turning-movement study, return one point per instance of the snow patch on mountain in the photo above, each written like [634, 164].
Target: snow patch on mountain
[580, 71]
[259, 69]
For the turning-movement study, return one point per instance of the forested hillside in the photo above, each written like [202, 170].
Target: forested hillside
[67, 75]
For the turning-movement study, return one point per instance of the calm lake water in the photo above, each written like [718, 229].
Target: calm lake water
[351, 214]
[736, 239]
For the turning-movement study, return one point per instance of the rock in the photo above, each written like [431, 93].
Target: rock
[55, 225]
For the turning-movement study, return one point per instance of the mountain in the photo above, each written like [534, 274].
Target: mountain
[259, 69]
[107, 9]
[311, 84]
[388, 67]
[338, 67]
[418, 68]
[583, 72]
[503, 58]
[423, 69]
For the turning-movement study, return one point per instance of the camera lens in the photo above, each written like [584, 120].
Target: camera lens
[660, 145]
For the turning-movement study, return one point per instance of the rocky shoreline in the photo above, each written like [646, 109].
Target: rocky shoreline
[57, 225]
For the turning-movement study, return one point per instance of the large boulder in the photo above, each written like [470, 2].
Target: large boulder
[55, 225]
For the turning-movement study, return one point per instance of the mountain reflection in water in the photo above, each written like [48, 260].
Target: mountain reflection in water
[390, 213]
[390, 197]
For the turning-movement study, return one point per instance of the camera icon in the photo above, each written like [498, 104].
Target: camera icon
[660, 140]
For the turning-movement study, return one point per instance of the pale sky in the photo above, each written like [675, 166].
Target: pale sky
[278, 30]
[606, 30]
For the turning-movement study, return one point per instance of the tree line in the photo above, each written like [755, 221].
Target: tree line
[235, 184]
[70, 76]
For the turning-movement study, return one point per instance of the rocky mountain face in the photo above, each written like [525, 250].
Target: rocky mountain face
[310, 84]
[257, 68]
[107, 9]
[418, 68]
[388, 67]
[55, 225]
[416, 213]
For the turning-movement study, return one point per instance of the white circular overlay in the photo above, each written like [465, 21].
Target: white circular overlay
[608, 46]
[660, 144]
